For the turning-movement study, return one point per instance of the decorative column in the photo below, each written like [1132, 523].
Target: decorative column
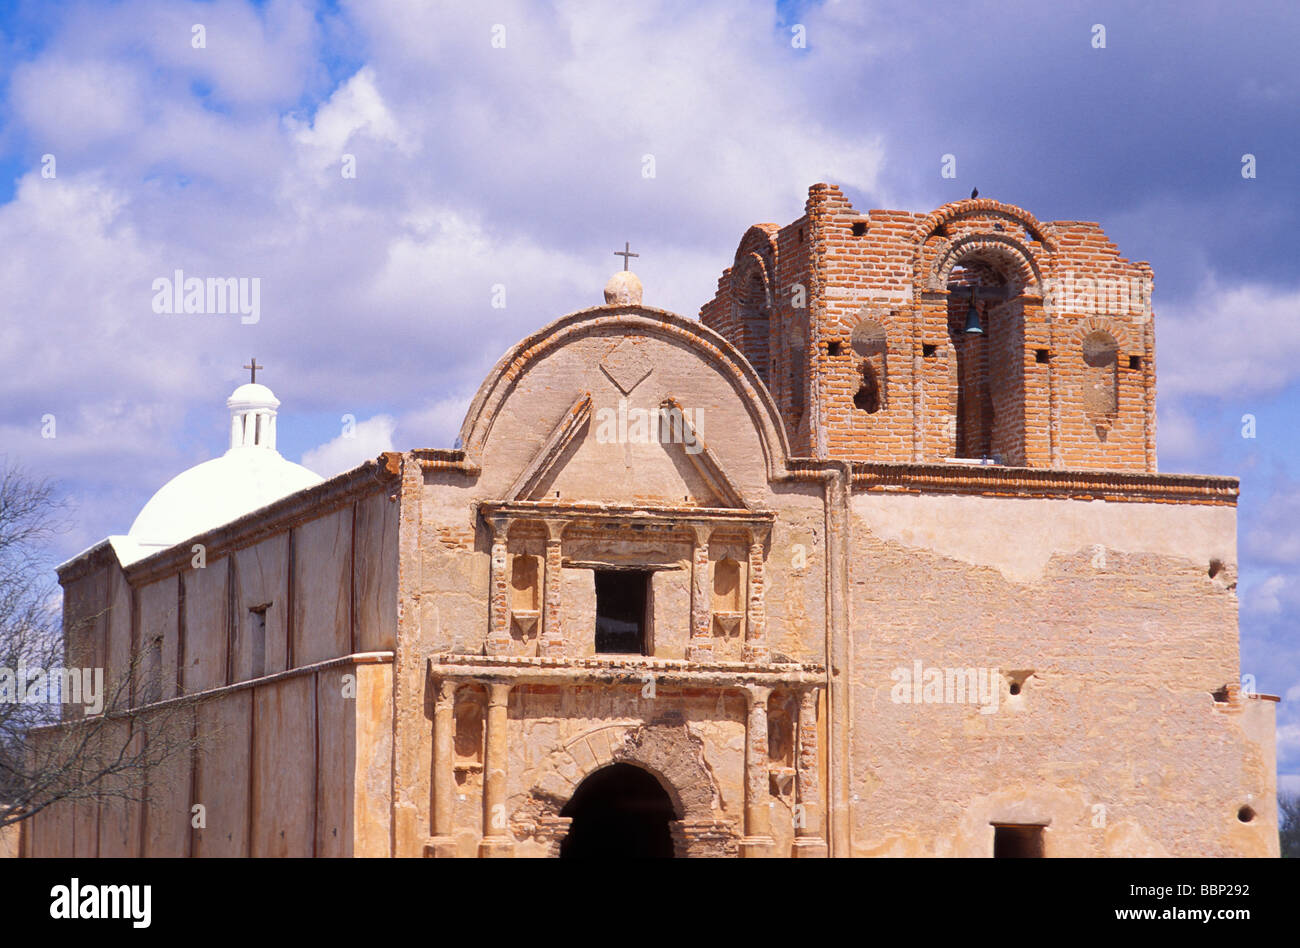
[700, 647]
[498, 642]
[756, 649]
[552, 644]
[496, 838]
[809, 842]
[758, 840]
[444, 779]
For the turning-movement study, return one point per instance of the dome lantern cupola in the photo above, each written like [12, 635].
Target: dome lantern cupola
[250, 475]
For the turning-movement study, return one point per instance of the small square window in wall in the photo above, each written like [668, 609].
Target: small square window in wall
[834, 348]
[1135, 362]
[1042, 356]
[1017, 841]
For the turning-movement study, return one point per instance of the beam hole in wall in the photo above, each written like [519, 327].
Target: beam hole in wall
[928, 349]
[1042, 356]
[859, 228]
[1016, 841]
[621, 600]
[1135, 362]
[834, 348]
[1246, 814]
[1016, 681]
[1216, 567]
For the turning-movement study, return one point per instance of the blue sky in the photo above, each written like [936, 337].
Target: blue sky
[522, 165]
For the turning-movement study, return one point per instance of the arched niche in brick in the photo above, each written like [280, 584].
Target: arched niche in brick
[1100, 354]
[870, 343]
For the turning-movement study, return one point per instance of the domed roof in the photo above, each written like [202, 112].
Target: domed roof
[252, 395]
[250, 475]
[217, 492]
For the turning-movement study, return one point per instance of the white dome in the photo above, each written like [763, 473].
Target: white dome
[250, 475]
[252, 395]
[217, 492]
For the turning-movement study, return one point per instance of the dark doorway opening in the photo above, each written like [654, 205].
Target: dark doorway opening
[1017, 842]
[619, 812]
[621, 599]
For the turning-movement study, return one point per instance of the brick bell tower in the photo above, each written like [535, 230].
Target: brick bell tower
[972, 334]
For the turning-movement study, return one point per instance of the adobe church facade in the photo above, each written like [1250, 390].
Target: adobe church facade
[872, 559]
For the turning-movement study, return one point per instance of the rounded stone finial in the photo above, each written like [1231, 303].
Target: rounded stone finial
[623, 289]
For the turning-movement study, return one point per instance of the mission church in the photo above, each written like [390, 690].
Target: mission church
[902, 580]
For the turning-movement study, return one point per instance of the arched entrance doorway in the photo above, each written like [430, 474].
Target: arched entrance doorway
[620, 811]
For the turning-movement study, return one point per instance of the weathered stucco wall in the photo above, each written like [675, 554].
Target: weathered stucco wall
[1106, 618]
[288, 759]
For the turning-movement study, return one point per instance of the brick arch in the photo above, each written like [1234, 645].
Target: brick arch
[744, 271]
[957, 209]
[1000, 249]
[749, 270]
[1114, 327]
[667, 751]
[758, 242]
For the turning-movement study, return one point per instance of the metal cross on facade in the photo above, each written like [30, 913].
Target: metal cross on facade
[625, 253]
[253, 367]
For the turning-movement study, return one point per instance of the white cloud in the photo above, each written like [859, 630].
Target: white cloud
[1234, 340]
[363, 442]
[436, 425]
[1288, 740]
[1265, 598]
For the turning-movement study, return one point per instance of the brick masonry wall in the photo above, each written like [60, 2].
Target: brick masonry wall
[1020, 394]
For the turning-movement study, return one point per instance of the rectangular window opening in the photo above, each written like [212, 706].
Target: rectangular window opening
[622, 598]
[257, 639]
[1013, 841]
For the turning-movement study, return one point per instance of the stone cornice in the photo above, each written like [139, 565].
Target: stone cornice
[630, 670]
[620, 513]
[198, 697]
[998, 481]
